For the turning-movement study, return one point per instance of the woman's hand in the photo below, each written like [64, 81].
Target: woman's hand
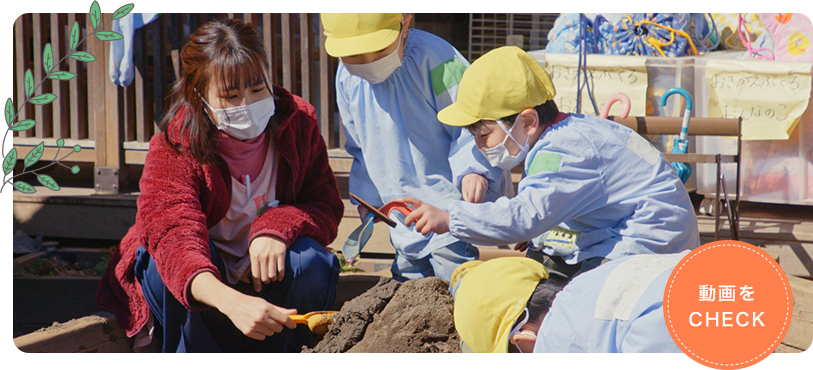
[253, 316]
[267, 260]
[427, 218]
[474, 188]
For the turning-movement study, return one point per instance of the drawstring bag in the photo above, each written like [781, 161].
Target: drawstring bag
[791, 34]
[652, 34]
[566, 34]
[729, 25]
[703, 31]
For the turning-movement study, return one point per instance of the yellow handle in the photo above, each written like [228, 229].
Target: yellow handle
[299, 319]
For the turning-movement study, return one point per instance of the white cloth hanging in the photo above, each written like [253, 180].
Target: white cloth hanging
[122, 70]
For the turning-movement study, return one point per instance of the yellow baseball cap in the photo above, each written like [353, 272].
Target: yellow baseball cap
[501, 83]
[359, 33]
[490, 298]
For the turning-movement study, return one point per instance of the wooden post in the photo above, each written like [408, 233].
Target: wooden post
[327, 94]
[60, 106]
[109, 121]
[22, 47]
[42, 113]
[77, 86]
[304, 52]
[286, 52]
[268, 43]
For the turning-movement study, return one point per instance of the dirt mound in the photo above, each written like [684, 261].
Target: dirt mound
[413, 317]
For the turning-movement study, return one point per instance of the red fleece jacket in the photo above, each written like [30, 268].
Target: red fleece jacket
[181, 199]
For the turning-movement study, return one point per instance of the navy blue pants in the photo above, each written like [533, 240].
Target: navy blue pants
[311, 275]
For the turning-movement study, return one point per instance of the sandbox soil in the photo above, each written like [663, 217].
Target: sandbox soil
[410, 317]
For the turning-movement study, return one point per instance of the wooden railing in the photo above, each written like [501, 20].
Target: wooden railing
[113, 124]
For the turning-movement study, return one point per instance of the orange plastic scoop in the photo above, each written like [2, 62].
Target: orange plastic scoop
[317, 321]
[384, 212]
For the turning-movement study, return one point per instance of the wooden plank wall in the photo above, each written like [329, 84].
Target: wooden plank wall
[114, 124]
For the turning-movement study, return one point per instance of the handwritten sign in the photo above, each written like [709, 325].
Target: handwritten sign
[769, 96]
[607, 75]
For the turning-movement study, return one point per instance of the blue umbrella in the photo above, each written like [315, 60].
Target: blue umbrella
[681, 144]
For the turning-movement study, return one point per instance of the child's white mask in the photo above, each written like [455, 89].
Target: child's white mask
[498, 156]
[246, 121]
[377, 71]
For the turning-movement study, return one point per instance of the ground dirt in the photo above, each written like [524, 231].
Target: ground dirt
[410, 317]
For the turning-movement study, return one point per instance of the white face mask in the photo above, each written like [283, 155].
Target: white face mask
[379, 70]
[498, 156]
[246, 121]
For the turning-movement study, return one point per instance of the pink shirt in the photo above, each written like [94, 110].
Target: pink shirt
[242, 157]
[257, 159]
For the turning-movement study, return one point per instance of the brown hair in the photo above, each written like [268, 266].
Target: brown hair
[547, 112]
[229, 52]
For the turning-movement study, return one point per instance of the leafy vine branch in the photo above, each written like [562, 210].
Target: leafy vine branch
[48, 65]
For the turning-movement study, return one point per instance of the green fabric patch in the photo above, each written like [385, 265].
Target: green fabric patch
[447, 75]
[545, 162]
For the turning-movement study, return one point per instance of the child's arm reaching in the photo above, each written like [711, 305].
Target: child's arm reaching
[427, 218]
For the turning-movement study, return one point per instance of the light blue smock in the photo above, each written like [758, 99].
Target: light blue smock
[599, 188]
[602, 314]
[399, 147]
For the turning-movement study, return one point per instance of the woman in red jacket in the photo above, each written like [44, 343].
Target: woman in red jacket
[237, 203]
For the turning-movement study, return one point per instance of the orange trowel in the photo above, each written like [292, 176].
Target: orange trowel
[317, 321]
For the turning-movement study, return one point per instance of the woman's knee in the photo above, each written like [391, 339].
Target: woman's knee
[307, 256]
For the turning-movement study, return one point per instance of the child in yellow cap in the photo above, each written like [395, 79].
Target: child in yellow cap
[512, 304]
[592, 190]
[391, 83]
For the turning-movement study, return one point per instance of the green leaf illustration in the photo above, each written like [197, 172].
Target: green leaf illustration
[108, 36]
[61, 75]
[10, 161]
[95, 15]
[23, 187]
[42, 99]
[47, 59]
[124, 10]
[48, 182]
[34, 155]
[23, 125]
[29, 83]
[74, 36]
[9, 111]
[83, 56]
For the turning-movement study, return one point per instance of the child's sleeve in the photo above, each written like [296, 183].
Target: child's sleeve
[562, 185]
[464, 157]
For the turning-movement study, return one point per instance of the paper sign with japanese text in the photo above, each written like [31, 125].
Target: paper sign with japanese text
[607, 75]
[769, 96]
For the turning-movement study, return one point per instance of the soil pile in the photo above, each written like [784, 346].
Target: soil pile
[411, 317]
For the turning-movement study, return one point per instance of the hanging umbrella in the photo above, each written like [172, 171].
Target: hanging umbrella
[681, 144]
[620, 97]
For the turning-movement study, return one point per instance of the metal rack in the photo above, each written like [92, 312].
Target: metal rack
[526, 30]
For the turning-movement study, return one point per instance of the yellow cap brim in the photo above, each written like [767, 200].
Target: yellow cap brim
[453, 116]
[371, 42]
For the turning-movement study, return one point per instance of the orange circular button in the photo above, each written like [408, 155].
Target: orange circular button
[727, 304]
